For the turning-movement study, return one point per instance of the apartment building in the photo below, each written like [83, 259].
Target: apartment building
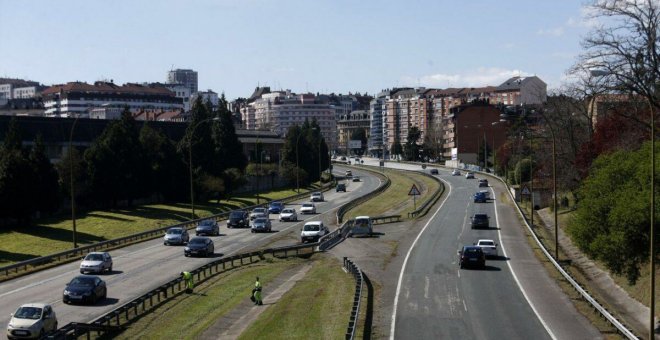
[349, 123]
[11, 88]
[521, 91]
[78, 98]
[187, 77]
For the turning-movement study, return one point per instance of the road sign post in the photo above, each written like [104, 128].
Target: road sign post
[414, 192]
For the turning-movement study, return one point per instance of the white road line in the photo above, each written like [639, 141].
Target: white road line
[405, 261]
[464, 306]
[513, 273]
[426, 287]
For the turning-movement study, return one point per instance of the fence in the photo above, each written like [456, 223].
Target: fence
[355, 310]
[75, 254]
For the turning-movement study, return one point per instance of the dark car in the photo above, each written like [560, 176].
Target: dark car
[341, 187]
[261, 225]
[85, 289]
[480, 221]
[275, 207]
[480, 197]
[238, 219]
[200, 246]
[434, 171]
[483, 183]
[207, 227]
[471, 256]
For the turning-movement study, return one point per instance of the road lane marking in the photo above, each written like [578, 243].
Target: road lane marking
[513, 273]
[405, 261]
[426, 288]
[464, 306]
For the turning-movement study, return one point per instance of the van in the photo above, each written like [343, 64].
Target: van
[362, 226]
[312, 231]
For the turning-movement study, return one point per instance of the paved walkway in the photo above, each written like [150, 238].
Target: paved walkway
[242, 316]
[633, 313]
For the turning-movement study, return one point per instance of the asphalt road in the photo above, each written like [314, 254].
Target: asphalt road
[144, 266]
[512, 298]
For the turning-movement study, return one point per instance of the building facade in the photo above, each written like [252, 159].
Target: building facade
[26, 88]
[78, 99]
[349, 123]
[186, 77]
[521, 91]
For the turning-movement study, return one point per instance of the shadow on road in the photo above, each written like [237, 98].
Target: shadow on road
[106, 302]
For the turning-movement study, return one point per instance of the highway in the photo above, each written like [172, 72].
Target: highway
[512, 298]
[144, 266]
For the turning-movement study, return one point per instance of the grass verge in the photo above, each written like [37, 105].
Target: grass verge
[395, 199]
[54, 234]
[189, 315]
[317, 307]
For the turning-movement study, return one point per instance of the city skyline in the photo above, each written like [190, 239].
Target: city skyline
[322, 47]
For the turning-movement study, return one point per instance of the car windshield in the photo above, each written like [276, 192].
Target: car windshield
[260, 220]
[206, 223]
[259, 210]
[33, 313]
[316, 194]
[236, 214]
[486, 243]
[94, 257]
[197, 241]
[307, 205]
[175, 231]
[311, 227]
[82, 281]
[288, 211]
[472, 250]
[362, 222]
[480, 217]
[276, 204]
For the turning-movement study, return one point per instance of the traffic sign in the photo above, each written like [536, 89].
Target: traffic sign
[525, 190]
[414, 191]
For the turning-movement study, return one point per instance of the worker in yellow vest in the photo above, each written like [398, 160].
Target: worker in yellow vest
[188, 281]
[256, 292]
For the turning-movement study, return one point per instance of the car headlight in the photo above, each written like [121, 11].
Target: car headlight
[10, 325]
[66, 292]
[186, 249]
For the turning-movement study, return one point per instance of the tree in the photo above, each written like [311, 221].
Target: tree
[228, 148]
[15, 176]
[80, 177]
[411, 148]
[44, 185]
[611, 223]
[361, 135]
[164, 166]
[433, 143]
[115, 163]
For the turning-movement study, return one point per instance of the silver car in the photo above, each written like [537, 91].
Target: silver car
[176, 235]
[96, 262]
[31, 321]
[261, 225]
[258, 212]
[288, 214]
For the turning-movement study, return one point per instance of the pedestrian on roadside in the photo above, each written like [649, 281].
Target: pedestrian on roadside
[256, 293]
[188, 281]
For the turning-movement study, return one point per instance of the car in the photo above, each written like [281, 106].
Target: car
[32, 321]
[85, 289]
[341, 187]
[489, 247]
[483, 183]
[343, 158]
[456, 172]
[275, 207]
[258, 212]
[434, 171]
[202, 246]
[469, 175]
[207, 227]
[316, 196]
[480, 221]
[176, 235]
[471, 256]
[96, 262]
[288, 214]
[238, 218]
[356, 179]
[480, 197]
[312, 231]
[362, 225]
[308, 208]
[485, 193]
[423, 166]
[348, 173]
[261, 224]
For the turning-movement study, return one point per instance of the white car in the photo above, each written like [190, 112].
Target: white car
[456, 172]
[288, 214]
[308, 208]
[489, 247]
[96, 262]
[316, 196]
[258, 212]
[32, 321]
[312, 231]
[469, 175]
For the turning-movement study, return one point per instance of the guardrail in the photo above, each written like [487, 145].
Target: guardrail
[426, 206]
[348, 206]
[385, 219]
[75, 254]
[355, 310]
[123, 315]
[595, 304]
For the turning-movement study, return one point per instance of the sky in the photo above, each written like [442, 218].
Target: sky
[313, 46]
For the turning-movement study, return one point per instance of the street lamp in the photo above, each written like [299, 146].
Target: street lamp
[73, 196]
[192, 193]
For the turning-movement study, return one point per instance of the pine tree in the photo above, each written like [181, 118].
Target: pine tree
[45, 187]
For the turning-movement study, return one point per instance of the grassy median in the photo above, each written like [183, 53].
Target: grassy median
[395, 200]
[54, 234]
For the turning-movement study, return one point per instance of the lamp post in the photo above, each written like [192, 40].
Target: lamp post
[73, 195]
[192, 192]
[652, 236]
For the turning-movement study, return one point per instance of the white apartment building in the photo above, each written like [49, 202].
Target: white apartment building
[186, 77]
[78, 99]
[183, 92]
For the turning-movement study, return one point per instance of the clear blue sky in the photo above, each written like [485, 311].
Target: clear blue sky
[313, 45]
